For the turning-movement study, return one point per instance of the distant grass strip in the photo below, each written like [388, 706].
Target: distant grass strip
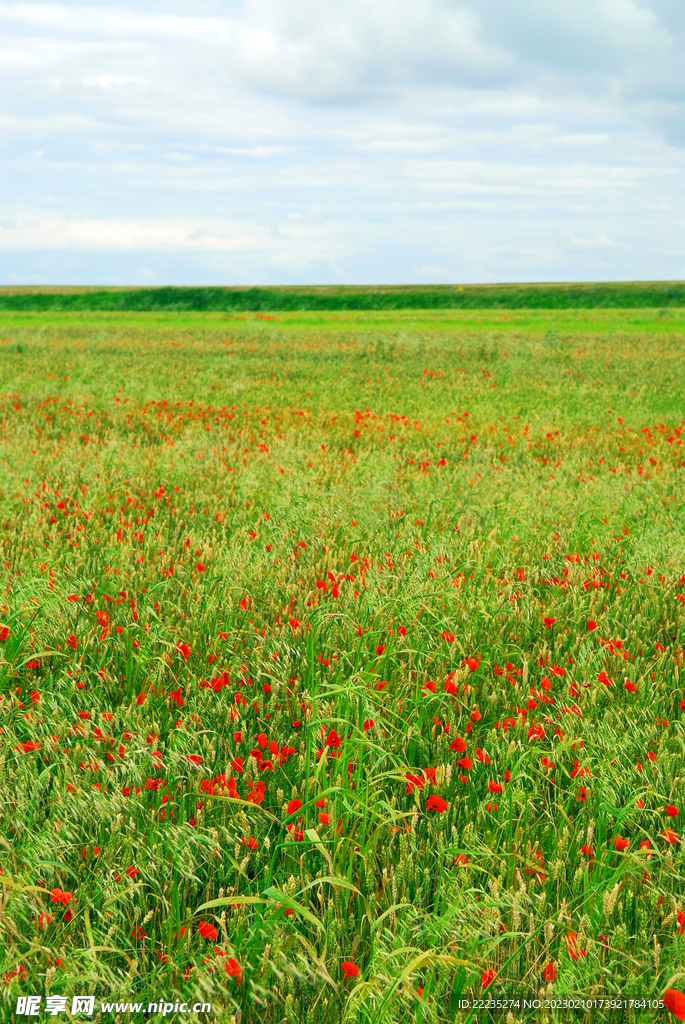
[626, 295]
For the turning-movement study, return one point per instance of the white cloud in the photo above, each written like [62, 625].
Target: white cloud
[599, 241]
[440, 134]
[353, 50]
[129, 235]
[112, 83]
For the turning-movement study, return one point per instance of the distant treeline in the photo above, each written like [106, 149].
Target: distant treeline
[630, 295]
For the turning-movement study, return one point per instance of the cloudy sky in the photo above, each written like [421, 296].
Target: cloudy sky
[341, 141]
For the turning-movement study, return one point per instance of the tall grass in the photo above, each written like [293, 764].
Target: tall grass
[358, 641]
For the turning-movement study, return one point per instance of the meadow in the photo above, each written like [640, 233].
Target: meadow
[339, 664]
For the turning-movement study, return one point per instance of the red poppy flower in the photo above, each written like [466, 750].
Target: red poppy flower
[549, 622]
[631, 687]
[131, 871]
[207, 930]
[620, 843]
[495, 787]
[572, 946]
[233, 969]
[672, 811]
[195, 758]
[4, 632]
[43, 921]
[349, 969]
[487, 977]
[670, 836]
[58, 896]
[28, 746]
[137, 932]
[681, 922]
[183, 649]
[449, 637]
[324, 818]
[293, 806]
[549, 973]
[472, 664]
[413, 780]
[591, 625]
[674, 1001]
[436, 803]
[71, 640]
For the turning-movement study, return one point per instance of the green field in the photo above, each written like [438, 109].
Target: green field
[340, 661]
[325, 298]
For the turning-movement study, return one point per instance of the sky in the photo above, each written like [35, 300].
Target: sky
[241, 142]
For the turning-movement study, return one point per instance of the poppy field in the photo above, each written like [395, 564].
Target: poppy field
[340, 663]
